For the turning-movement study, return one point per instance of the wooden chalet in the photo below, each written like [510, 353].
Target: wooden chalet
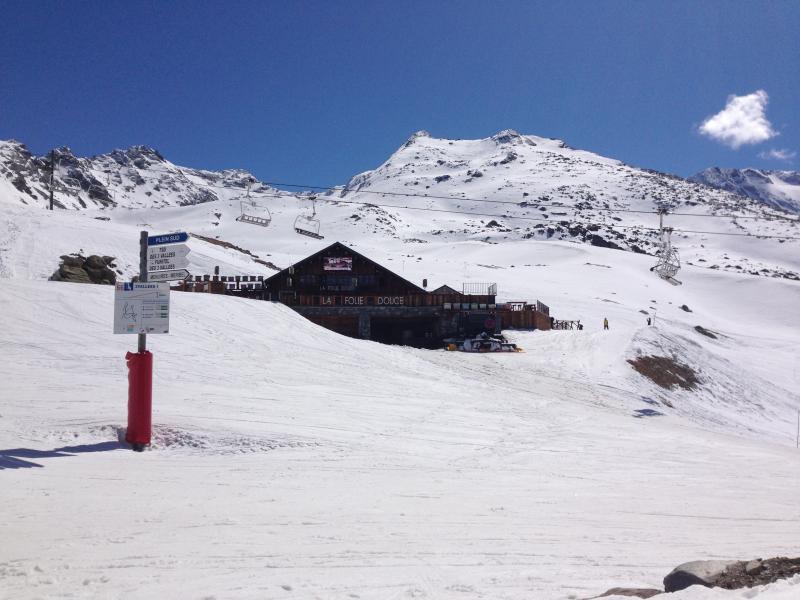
[343, 290]
[347, 292]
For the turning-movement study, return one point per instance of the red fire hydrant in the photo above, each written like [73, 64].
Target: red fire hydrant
[140, 399]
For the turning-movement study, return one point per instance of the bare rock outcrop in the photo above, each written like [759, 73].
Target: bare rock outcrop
[76, 268]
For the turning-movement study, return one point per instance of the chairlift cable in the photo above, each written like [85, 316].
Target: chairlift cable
[312, 188]
[552, 221]
[288, 194]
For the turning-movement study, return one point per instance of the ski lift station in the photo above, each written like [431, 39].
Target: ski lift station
[344, 291]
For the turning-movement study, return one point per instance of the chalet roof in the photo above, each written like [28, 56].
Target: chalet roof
[445, 289]
[341, 246]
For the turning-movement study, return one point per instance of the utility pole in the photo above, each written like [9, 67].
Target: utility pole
[142, 279]
[52, 174]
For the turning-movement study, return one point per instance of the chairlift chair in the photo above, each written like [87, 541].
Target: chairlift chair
[309, 226]
[252, 212]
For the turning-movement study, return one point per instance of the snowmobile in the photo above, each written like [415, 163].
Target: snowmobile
[482, 343]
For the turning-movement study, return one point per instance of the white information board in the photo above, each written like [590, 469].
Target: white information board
[141, 308]
[167, 258]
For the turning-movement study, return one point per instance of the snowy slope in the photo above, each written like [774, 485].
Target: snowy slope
[292, 461]
[780, 189]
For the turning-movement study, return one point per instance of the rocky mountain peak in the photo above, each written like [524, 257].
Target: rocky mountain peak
[138, 156]
[779, 189]
[507, 136]
[414, 136]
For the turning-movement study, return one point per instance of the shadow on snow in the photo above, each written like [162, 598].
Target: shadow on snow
[14, 458]
[647, 412]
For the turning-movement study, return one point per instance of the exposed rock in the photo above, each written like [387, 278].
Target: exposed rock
[754, 567]
[698, 572]
[510, 157]
[72, 260]
[666, 372]
[600, 241]
[75, 268]
[507, 136]
[773, 188]
[758, 572]
[79, 184]
[94, 262]
[72, 274]
[22, 185]
[703, 331]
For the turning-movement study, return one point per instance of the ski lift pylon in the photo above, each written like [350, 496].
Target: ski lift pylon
[309, 226]
[252, 212]
[669, 262]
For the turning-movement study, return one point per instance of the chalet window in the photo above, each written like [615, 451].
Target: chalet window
[367, 282]
[307, 281]
[338, 283]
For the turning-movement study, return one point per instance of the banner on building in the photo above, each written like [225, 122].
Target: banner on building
[335, 263]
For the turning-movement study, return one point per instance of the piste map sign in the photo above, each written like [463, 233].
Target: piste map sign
[141, 308]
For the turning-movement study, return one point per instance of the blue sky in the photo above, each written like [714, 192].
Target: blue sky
[314, 92]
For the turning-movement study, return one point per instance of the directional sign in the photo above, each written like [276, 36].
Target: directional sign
[167, 258]
[170, 251]
[176, 275]
[168, 238]
[141, 308]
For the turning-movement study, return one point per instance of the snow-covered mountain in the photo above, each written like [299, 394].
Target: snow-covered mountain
[780, 189]
[512, 186]
[134, 178]
[289, 460]
[498, 189]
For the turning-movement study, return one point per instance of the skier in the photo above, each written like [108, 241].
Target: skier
[648, 320]
[605, 323]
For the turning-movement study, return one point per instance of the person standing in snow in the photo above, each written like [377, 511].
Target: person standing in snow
[605, 323]
[648, 320]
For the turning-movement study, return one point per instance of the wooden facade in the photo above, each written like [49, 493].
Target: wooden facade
[344, 291]
[522, 315]
[347, 292]
[340, 276]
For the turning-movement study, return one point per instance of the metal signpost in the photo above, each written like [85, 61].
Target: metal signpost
[143, 307]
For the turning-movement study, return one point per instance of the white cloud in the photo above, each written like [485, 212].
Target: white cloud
[742, 121]
[782, 154]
